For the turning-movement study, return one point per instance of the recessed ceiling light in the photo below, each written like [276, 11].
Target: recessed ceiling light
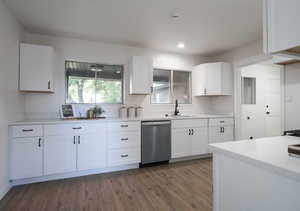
[180, 45]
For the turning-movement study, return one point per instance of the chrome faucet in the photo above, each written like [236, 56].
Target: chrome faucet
[176, 112]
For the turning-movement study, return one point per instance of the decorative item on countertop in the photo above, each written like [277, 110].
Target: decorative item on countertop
[123, 112]
[67, 111]
[139, 111]
[91, 113]
[131, 112]
[98, 111]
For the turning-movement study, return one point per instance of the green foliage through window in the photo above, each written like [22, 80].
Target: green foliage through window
[93, 83]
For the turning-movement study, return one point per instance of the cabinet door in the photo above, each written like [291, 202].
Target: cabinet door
[281, 25]
[141, 75]
[199, 81]
[181, 143]
[199, 141]
[226, 134]
[215, 134]
[91, 151]
[213, 79]
[36, 64]
[59, 154]
[26, 158]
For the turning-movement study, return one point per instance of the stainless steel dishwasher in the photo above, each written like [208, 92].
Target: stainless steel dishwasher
[156, 141]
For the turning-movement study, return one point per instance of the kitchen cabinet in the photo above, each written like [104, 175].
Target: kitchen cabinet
[91, 150]
[181, 143]
[60, 154]
[72, 147]
[36, 68]
[26, 157]
[140, 75]
[124, 143]
[212, 79]
[281, 26]
[189, 137]
[221, 130]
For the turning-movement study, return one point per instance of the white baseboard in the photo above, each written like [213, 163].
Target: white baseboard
[209, 155]
[72, 174]
[4, 189]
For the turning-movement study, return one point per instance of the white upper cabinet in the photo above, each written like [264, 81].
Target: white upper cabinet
[36, 68]
[212, 79]
[281, 26]
[141, 75]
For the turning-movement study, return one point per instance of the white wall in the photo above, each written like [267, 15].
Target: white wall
[292, 96]
[47, 105]
[11, 102]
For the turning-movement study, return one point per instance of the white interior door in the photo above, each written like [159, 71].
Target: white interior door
[262, 116]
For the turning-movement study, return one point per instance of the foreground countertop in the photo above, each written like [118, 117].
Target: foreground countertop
[268, 153]
[109, 119]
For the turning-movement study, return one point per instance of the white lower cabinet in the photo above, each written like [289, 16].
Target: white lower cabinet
[26, 157]
[60, 154]
[221, 130]
[83, 148]
[189, 141]
[91, 151]
[124, 143]
[181, 143]
[199, 141]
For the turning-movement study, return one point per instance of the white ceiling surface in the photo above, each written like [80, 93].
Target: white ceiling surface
[206, 27]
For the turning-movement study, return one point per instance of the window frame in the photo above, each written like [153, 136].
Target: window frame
[99, 63]
[172, 88]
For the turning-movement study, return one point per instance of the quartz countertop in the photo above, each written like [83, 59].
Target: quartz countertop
[269, 153]
[109, 119]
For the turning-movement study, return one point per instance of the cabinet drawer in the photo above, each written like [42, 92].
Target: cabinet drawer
[125, 140]
[221, 122]
[27, 131]
[189, 123]
[124, 126]
[73, 129]
[124, 156]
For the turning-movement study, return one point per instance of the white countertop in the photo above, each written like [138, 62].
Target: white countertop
[146, 118]
[269, 153]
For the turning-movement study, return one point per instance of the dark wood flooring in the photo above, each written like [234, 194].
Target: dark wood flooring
[179, 186]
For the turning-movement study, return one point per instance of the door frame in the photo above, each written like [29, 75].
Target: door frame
[237, 66]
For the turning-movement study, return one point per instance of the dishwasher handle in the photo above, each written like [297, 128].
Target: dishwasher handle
[157, 123]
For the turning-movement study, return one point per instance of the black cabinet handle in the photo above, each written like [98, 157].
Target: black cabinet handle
[40, 139]
[124, 156]
[49, 84]
[124, 139]
[76, 128]
[29, 130]
[78, 139]
[189, 132]
[124, 125]
[74, 140]
[192, 132]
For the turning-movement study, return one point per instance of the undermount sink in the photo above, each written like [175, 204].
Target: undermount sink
[180, 115]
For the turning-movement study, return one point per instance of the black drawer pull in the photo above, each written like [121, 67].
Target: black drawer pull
[124, 139]
[124, 156]
[76, 128]
[29, 130]
[222, 121]
[124, 125]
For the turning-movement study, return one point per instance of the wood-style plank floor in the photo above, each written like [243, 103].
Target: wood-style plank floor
[179, 186]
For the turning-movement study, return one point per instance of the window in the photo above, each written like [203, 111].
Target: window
[248, 90]
[169, 85]
[93, 83]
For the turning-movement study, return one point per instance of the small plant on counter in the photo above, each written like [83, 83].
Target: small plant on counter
[98, 111]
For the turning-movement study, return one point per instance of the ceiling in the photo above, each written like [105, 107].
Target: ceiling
[207, 27]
